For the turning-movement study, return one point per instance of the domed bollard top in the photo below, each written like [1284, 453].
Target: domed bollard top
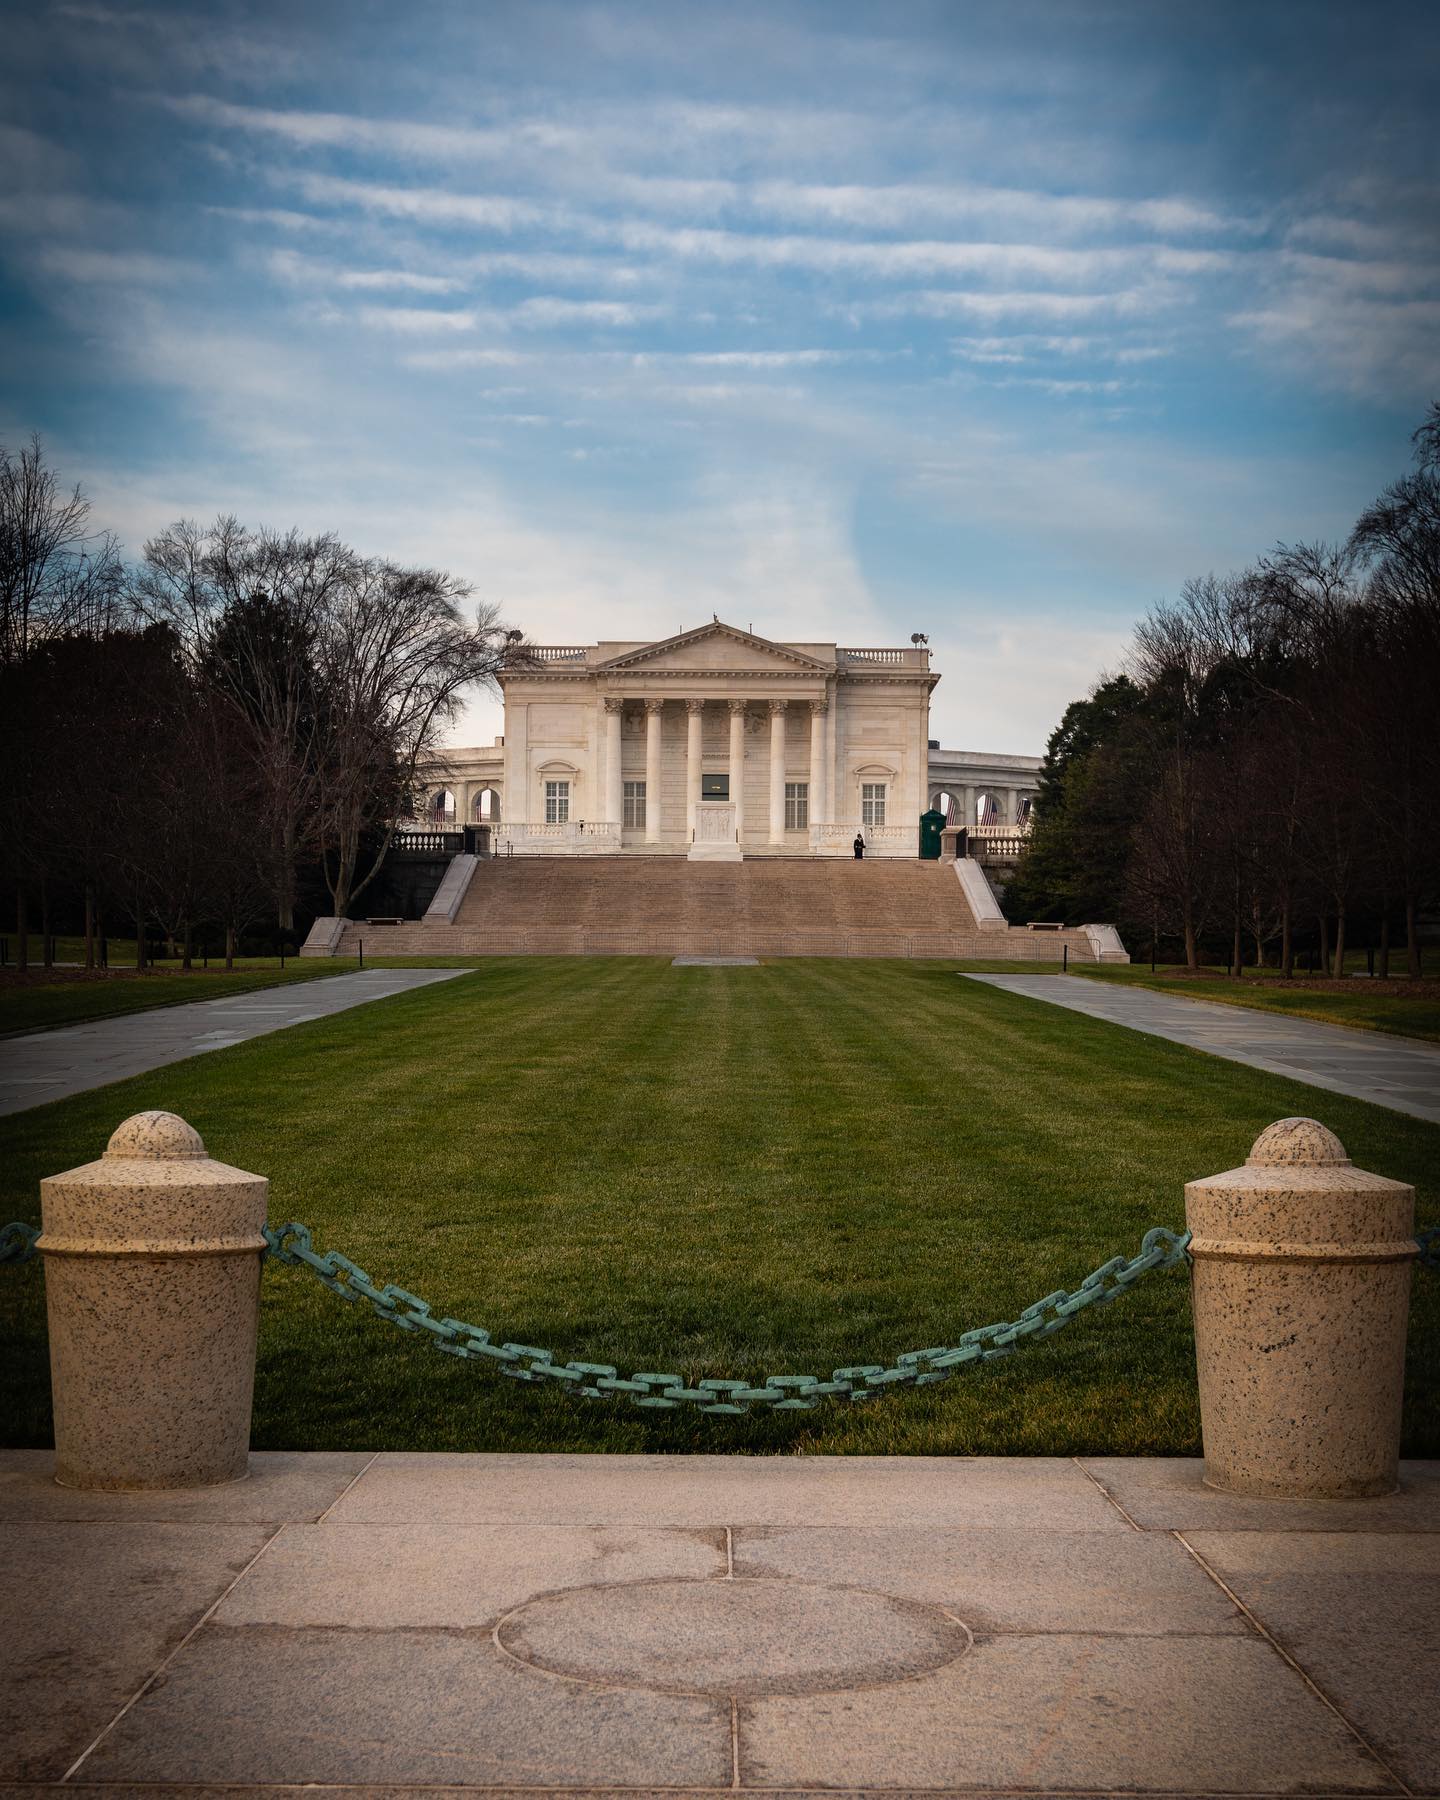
[1301, 1287]
[152, 1282]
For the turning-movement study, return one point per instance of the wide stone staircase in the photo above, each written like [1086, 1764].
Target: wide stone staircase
[667, 906]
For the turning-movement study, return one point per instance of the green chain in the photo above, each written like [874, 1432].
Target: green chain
[1160, 1249]
[292, 1244]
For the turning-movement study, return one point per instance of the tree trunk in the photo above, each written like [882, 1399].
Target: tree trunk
[22, 930]
[89, 925]
[1324, 943]
[285, 911]
[47, 947]
[1384, 970]
[1339, 942]
[139, 933]
[1287, 941]
[1412, 937]
[229, 946]
[187, 961]
[1192, 949]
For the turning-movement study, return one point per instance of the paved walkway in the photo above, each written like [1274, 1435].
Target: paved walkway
[522, 1624]
[1366, 1065]
[52, 1065]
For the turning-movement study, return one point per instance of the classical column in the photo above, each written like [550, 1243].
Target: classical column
[694, 723]
[832, 761]
[818, 814]
[1012, 806]
[652, 770]
[614, 793]
[777, 771]
[737, 764]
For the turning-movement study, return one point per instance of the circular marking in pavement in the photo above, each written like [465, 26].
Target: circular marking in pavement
[735, 1637]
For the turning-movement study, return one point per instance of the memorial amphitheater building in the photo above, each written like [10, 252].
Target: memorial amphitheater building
[718, 744]
[701, 796]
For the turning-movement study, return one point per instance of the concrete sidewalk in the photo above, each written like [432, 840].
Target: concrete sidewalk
[52, 1065]
[524, 1624]
[1366, 1065]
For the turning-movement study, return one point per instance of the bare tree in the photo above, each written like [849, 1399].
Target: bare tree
[396, 657]
[56, 575]
[249, 610]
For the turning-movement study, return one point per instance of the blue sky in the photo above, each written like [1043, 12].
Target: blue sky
[990, 321]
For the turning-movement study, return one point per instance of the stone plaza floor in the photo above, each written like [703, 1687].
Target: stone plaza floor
[37, 1066]
[1366, 1065]
[521, 1625]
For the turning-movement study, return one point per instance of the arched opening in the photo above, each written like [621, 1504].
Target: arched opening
[989, 807]
[945, 803]
[485, 808]
[441, 810]
[1027, 801]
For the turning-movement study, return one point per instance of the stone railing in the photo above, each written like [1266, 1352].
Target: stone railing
[574, 838]
[555, 652]
[884, 658]
[997, 843]
[835, 839]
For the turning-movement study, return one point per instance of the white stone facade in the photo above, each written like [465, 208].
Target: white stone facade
[716, 743]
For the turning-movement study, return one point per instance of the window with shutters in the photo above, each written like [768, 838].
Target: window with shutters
[557, 802]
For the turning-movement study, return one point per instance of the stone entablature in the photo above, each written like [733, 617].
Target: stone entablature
[717, 741]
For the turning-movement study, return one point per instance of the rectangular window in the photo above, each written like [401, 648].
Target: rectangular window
[797, 805]
[872, 802]
[557, 802]
[635, 804]
[714, 787]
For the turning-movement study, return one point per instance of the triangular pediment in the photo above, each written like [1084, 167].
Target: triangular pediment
[717, 646]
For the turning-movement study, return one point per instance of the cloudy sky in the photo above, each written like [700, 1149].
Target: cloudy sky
[994, 321]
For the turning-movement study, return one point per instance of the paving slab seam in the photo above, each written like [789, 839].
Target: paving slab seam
[114, 1790]
[509, 1791]
[1096, 1481]
[357, 1476]
[1286, 1657]
[164, 1664]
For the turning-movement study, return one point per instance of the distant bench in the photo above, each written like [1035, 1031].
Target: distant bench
[1045, 925]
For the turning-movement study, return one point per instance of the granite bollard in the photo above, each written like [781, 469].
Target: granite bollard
[152, 1285]
[1301, 1287]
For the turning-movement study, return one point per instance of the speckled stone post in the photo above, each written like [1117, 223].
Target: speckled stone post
[1302, 1295]
[152, 1282]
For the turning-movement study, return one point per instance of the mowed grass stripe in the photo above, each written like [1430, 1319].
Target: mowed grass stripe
[718, 1171]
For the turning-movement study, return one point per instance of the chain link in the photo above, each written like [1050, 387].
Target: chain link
[293, 1245]
[664, 1390]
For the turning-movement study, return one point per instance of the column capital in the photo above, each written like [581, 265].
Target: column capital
[819, 708]
[694, 706]
[614, 703]
[654, 706]
[777, 707]
[737, 708]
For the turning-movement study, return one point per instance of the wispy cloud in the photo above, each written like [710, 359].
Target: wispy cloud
[898, 321]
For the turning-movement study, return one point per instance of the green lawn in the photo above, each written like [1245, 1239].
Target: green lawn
[1369, 1006]
[36, 1006]
[725, 1171]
